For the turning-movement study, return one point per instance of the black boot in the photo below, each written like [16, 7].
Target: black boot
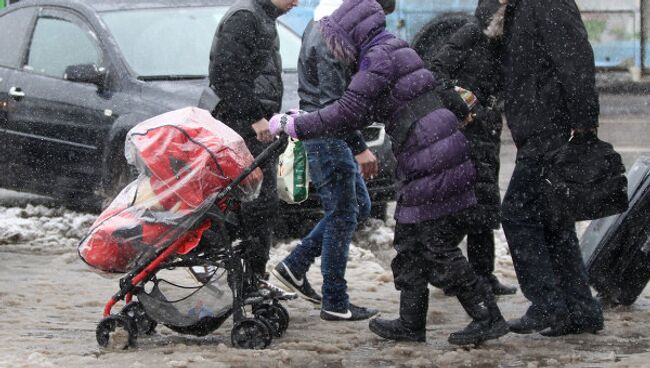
[410, 326]
[487, 321]
[499, 288]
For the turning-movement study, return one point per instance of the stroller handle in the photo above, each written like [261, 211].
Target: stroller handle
[273, 150]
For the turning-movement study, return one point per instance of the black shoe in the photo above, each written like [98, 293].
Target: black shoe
[271, 291]
[480, 330]
[572, 328]
[526, 325]
[499, 288]
[487, 322]
[353, 313]
[395, 330]
[299, 285]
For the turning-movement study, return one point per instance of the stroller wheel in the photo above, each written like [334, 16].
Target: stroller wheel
[116, 332]
[251, 333]
[284, 313]
[145, 325]
[270, 324]
[276, 315]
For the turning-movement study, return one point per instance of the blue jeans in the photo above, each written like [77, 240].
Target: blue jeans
[344, 197]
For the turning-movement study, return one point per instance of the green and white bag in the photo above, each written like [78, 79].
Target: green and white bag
[293, 173]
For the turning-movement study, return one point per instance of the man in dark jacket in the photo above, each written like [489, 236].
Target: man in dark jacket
[246, 74]
[336, 176]
[549, 95]
[471, 59]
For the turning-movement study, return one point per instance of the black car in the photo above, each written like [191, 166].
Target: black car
[76, 75]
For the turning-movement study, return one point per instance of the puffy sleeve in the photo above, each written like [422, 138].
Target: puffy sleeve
[354, 109]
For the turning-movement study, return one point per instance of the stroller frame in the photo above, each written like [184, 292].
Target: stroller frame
[270, 317]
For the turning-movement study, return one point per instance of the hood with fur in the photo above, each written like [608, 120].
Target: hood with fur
[351, 26]
[491, 14]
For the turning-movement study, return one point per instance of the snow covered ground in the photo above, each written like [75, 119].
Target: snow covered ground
[50, 303]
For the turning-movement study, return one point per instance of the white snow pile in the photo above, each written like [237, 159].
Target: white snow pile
[42, 229]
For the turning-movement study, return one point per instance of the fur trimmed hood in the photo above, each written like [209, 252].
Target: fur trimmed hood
[491, 15]
[351, 26]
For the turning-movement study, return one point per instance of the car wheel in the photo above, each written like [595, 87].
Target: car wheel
[428, 41]
[120, 176]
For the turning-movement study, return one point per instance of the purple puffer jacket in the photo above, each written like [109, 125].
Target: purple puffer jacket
[433, 165]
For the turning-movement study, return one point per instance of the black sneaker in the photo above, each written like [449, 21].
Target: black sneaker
[299, 285]
[274, 292]
[353, 313]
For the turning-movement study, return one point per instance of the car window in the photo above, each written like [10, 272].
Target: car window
[177, 41]
[289, 47]
[57, 44]
[14, 27]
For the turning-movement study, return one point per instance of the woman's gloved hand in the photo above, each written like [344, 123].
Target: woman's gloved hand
[468, 96]
[283, 123]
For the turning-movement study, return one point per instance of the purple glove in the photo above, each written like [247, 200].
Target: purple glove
[283, 123]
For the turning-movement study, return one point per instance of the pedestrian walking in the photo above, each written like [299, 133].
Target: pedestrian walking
[550, 95]
[335, 175]
[470, 63]
[246, 74]
[435, 172]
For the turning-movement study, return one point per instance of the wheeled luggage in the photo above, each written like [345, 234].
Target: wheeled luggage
[616, 249]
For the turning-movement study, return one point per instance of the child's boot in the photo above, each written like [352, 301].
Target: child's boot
[410, 326]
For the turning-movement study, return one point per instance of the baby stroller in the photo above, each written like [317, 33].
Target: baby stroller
[179, 215]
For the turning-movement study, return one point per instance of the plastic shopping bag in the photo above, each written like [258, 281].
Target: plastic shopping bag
[293, 173]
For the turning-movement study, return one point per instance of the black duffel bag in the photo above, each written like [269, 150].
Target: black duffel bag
[585, 178]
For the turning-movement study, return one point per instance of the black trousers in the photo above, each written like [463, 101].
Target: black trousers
[428, 252]
[258, 217]
[545, 251]
[480, 251]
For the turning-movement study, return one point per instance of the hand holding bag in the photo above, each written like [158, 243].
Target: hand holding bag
[293, 173]
[586, 179]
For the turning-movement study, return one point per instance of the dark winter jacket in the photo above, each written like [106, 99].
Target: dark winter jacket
[245, 65]
[433, 166]
[472, 61]
[322, 80]
[549, 73]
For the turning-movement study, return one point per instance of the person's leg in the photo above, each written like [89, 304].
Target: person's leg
[304, 254]
[585, 312]
[291, 271]
[339, 199]
[451, 271]
[258, 216]
[523, 226]
[310, 248]
[410, 275]
[480, 252]
[363, 197]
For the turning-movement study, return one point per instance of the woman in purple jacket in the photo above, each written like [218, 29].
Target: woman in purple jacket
[434, 169]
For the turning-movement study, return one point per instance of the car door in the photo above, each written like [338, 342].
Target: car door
[59, 125]
[16, 23]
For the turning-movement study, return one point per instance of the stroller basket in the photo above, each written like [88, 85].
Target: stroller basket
[188, 308]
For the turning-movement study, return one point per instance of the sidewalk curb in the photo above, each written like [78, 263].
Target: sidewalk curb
[625, 88]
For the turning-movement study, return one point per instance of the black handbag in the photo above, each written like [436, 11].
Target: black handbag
[585, 178]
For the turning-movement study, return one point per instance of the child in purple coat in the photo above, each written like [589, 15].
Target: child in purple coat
[435, 173]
